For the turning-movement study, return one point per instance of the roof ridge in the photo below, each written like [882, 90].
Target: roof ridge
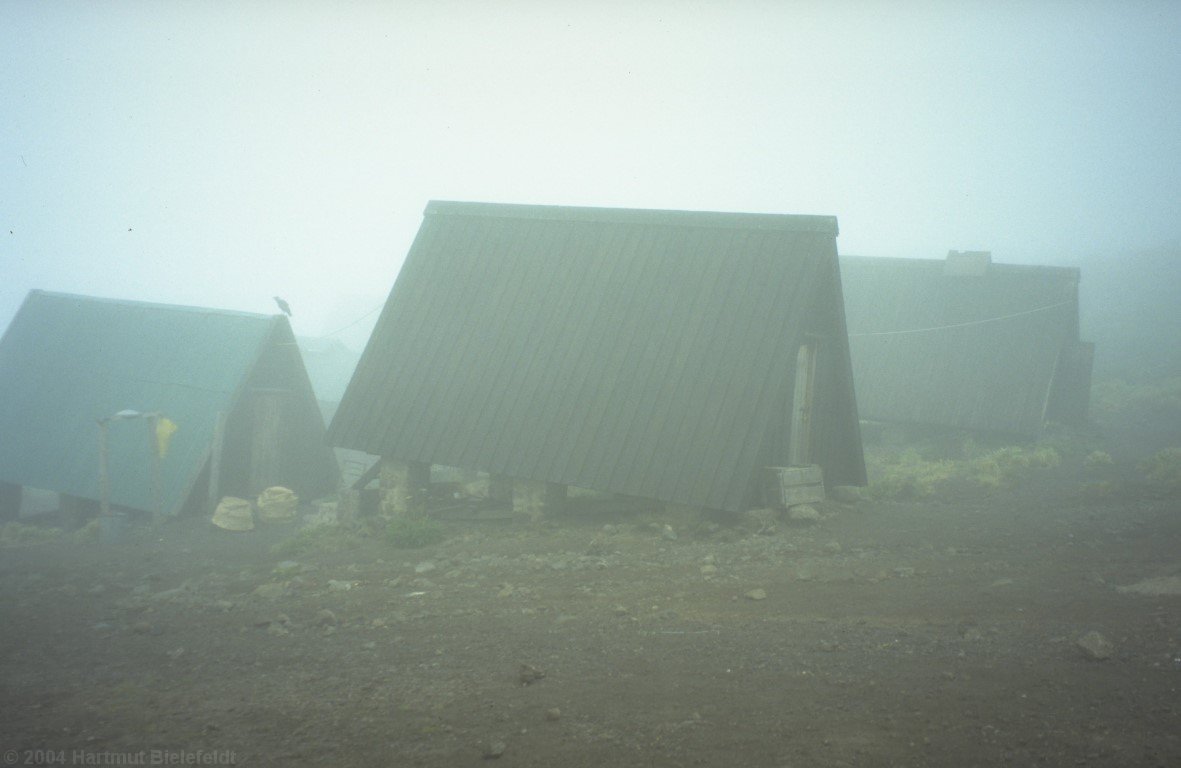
[79, 297]
[647, 216]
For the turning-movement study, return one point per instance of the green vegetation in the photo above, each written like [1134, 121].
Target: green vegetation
[1164, 468]
[13, 534]
[1097, 459]
[322, 539]
[1003, 467]
[414, 532]
[909, 475]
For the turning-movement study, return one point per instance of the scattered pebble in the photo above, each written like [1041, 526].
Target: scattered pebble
[1095, 646]
[270, 591]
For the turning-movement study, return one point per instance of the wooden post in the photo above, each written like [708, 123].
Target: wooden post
[157, 482]
[219, 433]
[418, 487]
[104, 475]
[800, 449]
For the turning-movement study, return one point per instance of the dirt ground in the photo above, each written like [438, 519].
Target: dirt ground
[931, 632]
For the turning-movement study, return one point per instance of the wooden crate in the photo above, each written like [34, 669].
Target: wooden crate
[788, 486]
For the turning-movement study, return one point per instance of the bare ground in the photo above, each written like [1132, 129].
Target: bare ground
[928, 633]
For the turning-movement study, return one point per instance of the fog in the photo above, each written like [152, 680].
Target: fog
[218, 155]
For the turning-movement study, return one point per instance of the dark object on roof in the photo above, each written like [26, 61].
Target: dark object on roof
[68, 361]
[284, 307]
[966, 343]
[649, 353]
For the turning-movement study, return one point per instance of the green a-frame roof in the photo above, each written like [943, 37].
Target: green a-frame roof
[649, 353]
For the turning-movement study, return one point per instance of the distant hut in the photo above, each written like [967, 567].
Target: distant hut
[966, 343]
[233, 384]
[658, 354]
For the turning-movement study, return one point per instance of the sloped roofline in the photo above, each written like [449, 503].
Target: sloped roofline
[1073, 273]
[146, 304]
[826, 225]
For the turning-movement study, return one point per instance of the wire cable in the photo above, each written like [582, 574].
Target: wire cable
[962, 325]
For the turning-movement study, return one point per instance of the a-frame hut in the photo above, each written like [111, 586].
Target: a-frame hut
[233, 383]
[660, 354]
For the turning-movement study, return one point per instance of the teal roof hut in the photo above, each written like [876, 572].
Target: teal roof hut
[656, 354]
[233, 383]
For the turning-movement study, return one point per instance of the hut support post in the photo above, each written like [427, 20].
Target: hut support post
[418, 482]
[104, 472]
[219, 431]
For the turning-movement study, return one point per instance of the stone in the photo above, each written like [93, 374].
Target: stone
[1095, 646]
[424, 567]
[756, 594]
[494, 750]
[709, 570]
[553, 714]
[529, 674]
[336, 585]
[326, 618]
[270, 591]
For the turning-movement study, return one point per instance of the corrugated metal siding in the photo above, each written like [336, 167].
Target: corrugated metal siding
[603, 349]
[974, 352]
[67, 361]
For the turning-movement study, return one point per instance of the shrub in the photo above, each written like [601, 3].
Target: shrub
[1097, 459]
[910, 476]
[321, 539]
[1164, 467]
[14, 533]
[1004, 466]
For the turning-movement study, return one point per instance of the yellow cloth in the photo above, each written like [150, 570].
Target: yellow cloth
[165, 428]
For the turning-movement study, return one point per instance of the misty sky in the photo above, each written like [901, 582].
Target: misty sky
[218, 153]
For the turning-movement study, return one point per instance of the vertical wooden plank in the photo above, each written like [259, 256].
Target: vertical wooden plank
[266, 440]
[157, 490]
[418, 482]
[219, 433]
[104, 473]
[800, 449]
